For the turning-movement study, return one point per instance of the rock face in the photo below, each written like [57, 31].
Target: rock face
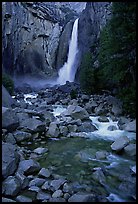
[7, 100]
[10, 159]
[31, 32]
[10, 120]
[91, 21]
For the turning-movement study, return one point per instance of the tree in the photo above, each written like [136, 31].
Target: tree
[117, 54]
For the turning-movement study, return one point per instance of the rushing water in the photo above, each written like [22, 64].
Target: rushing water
[67, 72]
[75, 158]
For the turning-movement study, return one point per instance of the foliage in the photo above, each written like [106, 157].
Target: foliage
[87, 75]
[8, 83]
[73, 94]
[117, 55]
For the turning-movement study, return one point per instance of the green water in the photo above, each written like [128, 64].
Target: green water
[74, 158]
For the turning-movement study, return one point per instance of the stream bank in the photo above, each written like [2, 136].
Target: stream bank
[64, 148]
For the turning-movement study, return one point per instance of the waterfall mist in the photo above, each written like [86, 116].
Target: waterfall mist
[68, 71]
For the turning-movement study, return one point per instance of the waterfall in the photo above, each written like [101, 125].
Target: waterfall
[68, 71]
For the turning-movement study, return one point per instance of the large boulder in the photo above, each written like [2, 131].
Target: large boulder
[130, 126]
[10, 120]
[21, 136]
[87, 127]
[29, 166]
[53, 130]
[76, 112]
[7, 100]
[120, 143]
[82, 197]
[130, 149]
[32, 125]
[10, 159]
[11, 186]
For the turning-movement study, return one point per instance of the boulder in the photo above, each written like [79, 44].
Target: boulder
[23, 179]
[82, 197]
[76, 112]
[103, 119]
[63, 130]
[5, 200]
[21, 136]
[130, 149]
[112, 128]
[130, 126]
[57, 194]
[9, 138]
[43, 196]
[101, 154]
[10, 159]
[32, 125]
[37, 182]
[23, 199]
[117, 109]
[44, 173]
[53, 130]
[10, 120]
[29, 166]
[87, 127]
[57, 200]
[11, 186]
[7, 100]
[55, 184]
[40, 150]
[120, 143]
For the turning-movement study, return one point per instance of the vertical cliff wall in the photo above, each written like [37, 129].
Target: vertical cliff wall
[30, 38]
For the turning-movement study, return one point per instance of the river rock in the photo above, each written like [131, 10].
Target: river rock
[10, 120]
[72, 128]
[43, 196]
[11, 186]
[53, 130]
[21, 136]
[99, 176]
[56, 184]
[57, 200]
[40, 150]
[87, 127]
[46, 186]
[112, 128]
[81, 197]
[32, 125]
[7, 100]
[130, 126]
[120, 143]
[63, 130]
[29, 166]
[34, 189]
[133, 169]
[37, 182]
[117, 110]
[101, 154]
[103, 119]
[23, 179]
[76, 112]
[5, 200]
[57, 194]
[130, 149]
[44, 173]
[10, 159]
[24, 199]
[9, 138]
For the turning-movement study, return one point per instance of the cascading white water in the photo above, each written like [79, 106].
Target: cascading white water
[68, 71]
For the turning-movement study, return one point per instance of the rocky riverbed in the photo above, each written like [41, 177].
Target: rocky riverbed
[60, 145]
